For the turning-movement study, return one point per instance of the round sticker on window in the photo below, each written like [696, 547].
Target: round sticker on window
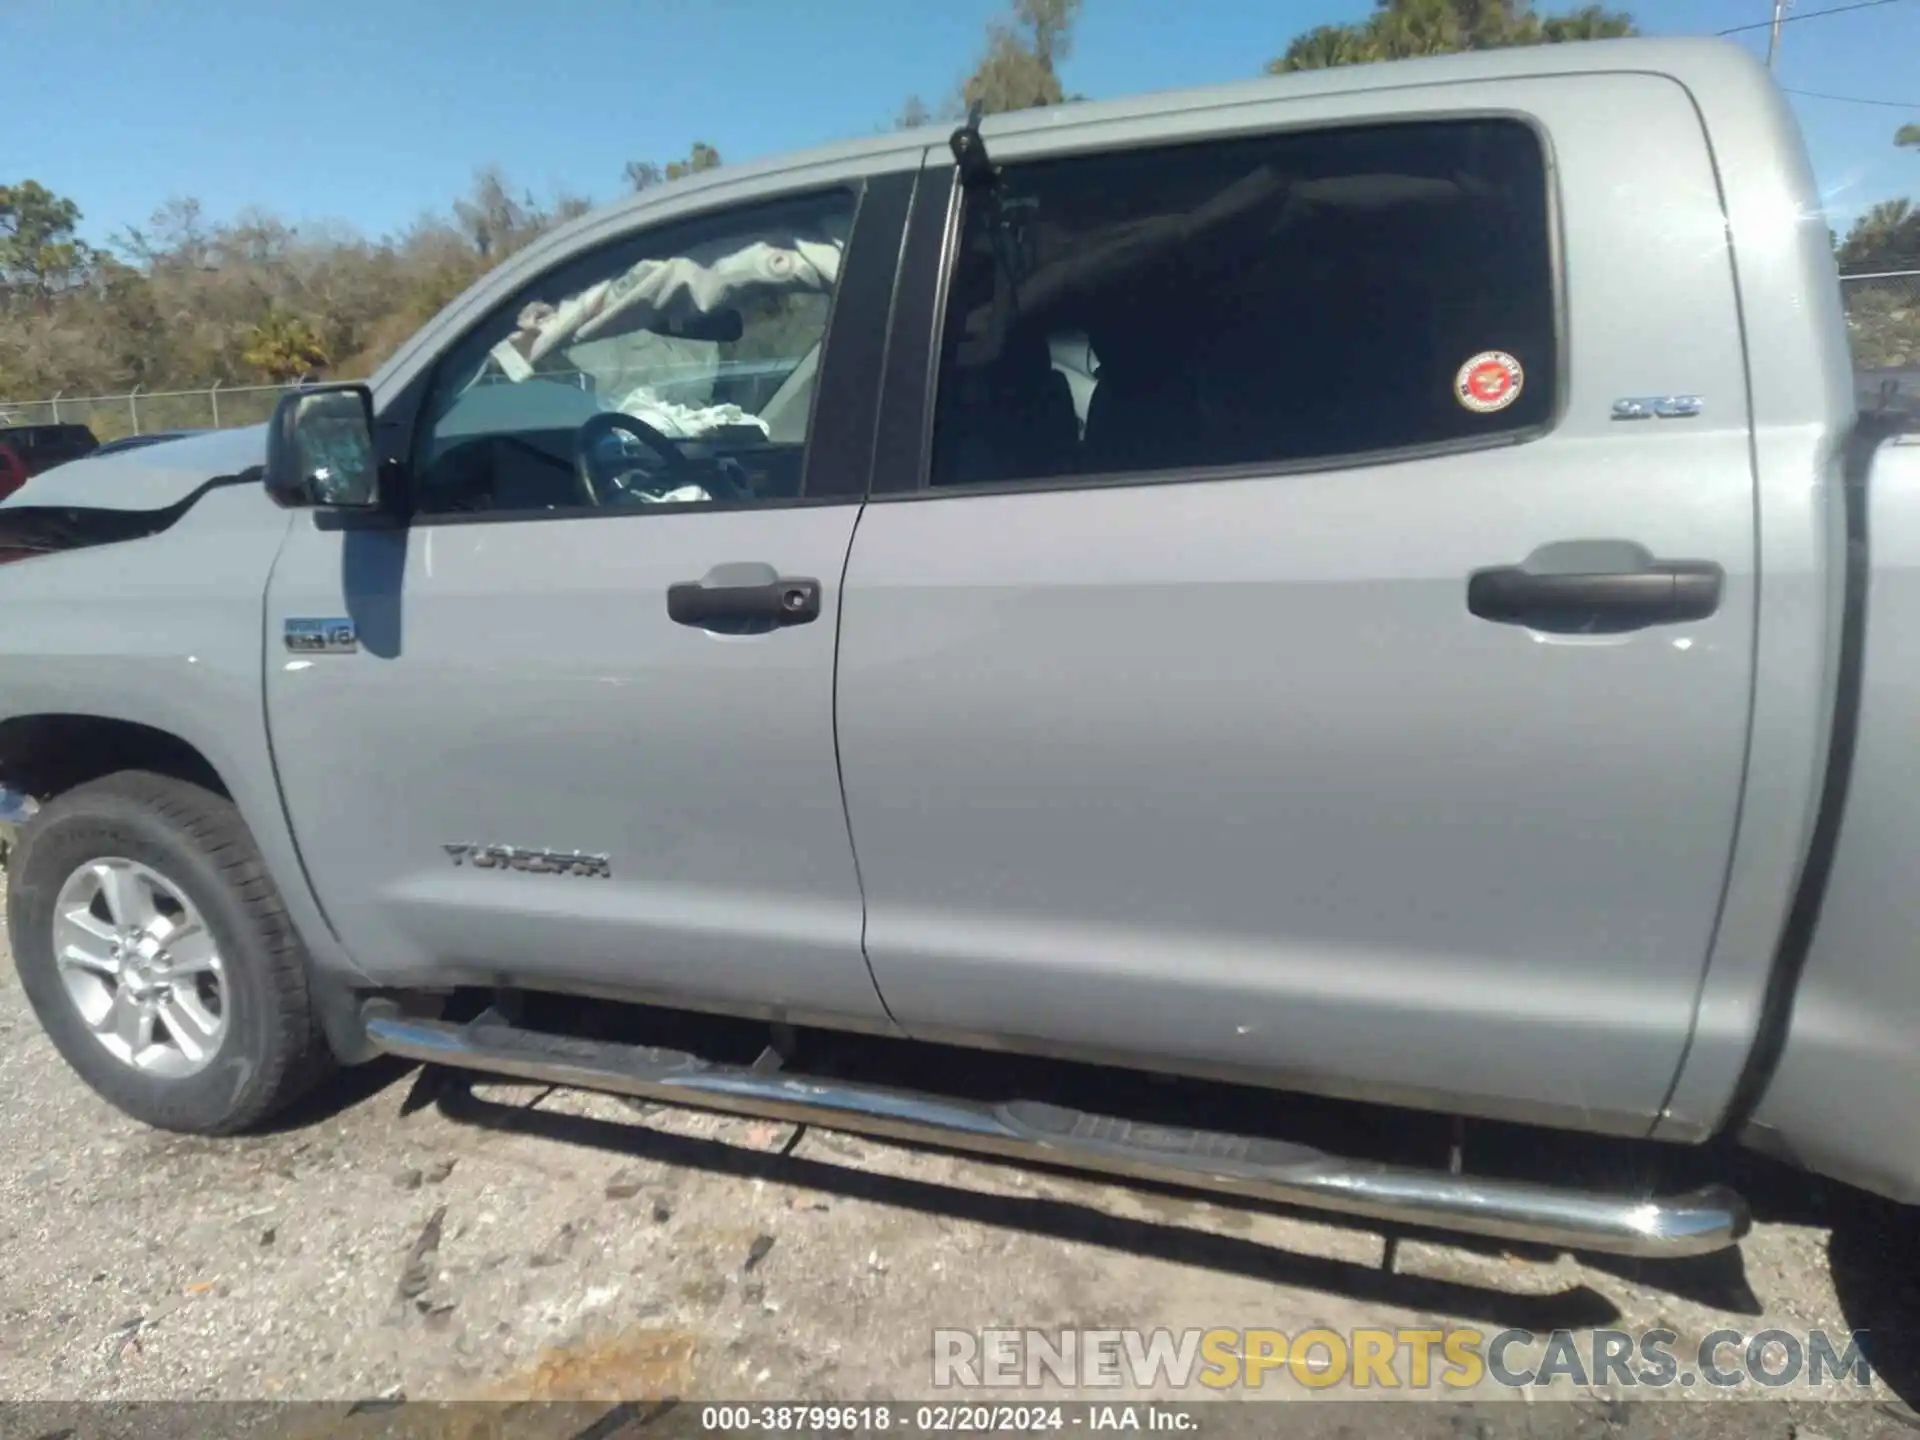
[1489, 381]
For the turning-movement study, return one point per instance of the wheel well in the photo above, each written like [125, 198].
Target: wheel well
[43, 755]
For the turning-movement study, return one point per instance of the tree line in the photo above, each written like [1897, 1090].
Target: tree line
[189, 301]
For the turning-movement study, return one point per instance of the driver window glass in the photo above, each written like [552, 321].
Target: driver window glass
[670, 369]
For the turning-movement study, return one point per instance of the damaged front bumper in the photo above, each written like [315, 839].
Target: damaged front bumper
[15, 810]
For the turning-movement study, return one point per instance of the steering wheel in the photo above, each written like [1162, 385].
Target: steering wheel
[679, 469]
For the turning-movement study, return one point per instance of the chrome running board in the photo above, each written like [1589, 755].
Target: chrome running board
[1696, 1223]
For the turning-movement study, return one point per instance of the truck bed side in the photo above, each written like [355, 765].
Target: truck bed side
[1841, 1099]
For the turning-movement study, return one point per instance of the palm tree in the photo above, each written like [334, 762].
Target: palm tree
[1326, 46]
[1887, 237]
[283, 347]
[1410, 28]
[1589, 22]
[1399, 29]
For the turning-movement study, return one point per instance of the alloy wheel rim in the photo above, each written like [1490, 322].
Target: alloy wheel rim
[141, 967]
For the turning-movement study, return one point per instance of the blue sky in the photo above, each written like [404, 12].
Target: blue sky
[370, 112]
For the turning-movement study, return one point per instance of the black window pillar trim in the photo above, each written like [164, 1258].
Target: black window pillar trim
[906, 410]
[846, 397]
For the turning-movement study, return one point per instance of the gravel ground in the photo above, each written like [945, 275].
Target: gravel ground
[409, 1234]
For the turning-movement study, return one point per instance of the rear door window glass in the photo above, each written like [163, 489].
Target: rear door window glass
[1279, 299]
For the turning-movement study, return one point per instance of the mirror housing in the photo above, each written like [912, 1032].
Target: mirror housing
[320, 449]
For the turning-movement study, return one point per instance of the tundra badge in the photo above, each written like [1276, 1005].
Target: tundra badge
[537, 862]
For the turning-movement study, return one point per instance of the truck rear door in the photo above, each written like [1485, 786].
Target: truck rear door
[1349, 687]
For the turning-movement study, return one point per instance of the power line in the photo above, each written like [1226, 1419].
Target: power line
[1853, 99]
[1808, 15]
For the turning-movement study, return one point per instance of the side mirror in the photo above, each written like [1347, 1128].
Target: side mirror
[320, 449]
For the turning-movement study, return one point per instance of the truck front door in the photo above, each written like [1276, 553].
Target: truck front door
[577, 727]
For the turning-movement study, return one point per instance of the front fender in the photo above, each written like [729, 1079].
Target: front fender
[166, 631]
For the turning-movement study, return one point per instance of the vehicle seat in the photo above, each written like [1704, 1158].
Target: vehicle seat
[1011, 419]
[491, 472]
[1145, 412]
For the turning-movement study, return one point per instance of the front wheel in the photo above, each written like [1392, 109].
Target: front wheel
[153, 946]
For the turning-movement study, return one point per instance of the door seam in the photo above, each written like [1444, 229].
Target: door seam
[846, 565]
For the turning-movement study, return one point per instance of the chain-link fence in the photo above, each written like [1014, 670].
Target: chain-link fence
[149, 412]
[141, 412]
[1883, 322]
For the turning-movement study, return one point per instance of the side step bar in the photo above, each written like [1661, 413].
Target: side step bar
[1704, 1220]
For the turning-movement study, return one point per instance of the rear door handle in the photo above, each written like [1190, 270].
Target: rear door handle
[744, 599]
[1661, 592]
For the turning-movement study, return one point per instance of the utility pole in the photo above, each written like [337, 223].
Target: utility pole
[1773, 39]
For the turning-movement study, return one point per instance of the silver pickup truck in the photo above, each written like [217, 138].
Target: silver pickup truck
[1371, 584]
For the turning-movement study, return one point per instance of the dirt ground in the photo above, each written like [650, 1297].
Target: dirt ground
[411, 1235]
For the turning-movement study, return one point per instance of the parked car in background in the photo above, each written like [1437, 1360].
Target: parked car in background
[13, 470]
[1353, 583]
[41, 447]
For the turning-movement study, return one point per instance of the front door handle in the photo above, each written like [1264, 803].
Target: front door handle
[1658, 592]
[745, 599]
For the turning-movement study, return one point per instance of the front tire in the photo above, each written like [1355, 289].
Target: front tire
[155, 951]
